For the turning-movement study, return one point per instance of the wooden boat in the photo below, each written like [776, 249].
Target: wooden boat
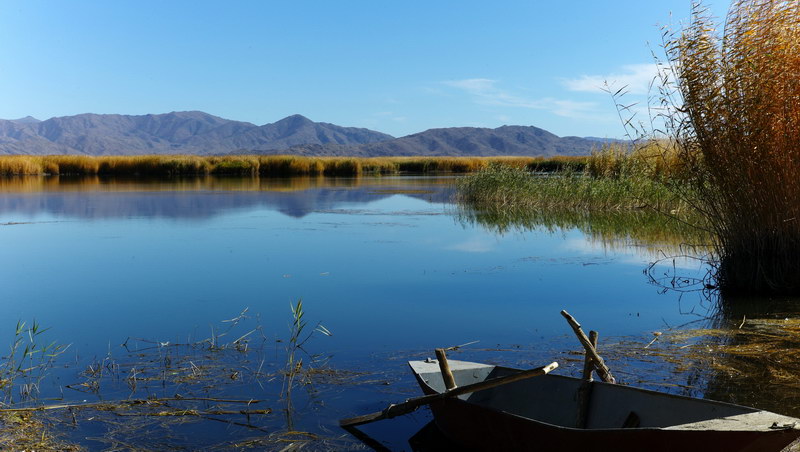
[543, 414]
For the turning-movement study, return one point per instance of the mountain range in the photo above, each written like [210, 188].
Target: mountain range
[195, 132]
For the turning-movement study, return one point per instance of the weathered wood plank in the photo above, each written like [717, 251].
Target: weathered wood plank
[447, 375]
[600, 366]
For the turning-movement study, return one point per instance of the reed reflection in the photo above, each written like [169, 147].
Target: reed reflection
[203, 197]
[654, 233]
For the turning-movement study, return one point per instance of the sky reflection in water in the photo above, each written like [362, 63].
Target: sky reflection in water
[381, 269]
[387, 264]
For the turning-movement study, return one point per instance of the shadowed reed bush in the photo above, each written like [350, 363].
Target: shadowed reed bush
[738, 129]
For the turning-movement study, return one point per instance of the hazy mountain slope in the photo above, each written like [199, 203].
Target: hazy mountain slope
[195, 132]
[191, 132]
[466, 141]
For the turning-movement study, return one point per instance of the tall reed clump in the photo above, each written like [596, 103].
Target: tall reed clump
[738, 128]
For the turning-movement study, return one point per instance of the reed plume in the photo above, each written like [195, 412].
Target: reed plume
[739, 132]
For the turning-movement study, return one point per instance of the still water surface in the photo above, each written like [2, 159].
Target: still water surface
[389, 265]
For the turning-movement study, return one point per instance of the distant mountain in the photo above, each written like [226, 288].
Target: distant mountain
[195, 132]
[26, 120]
[191, 132]
[472, 141]
[465, 141]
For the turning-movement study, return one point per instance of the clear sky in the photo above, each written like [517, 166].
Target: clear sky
[399, 67]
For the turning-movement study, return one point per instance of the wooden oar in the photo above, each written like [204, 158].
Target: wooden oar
[410, 405]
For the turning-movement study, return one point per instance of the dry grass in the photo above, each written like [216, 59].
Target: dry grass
[738, 129]
[654, 159]
[272, 165]
[29, 431]
[746, 361]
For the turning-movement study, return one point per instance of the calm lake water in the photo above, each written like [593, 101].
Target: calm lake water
[389, 265]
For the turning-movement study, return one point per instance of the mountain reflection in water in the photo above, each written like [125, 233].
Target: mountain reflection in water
[205, 197]
[379, 261]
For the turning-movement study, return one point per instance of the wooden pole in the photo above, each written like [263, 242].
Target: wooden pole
[447, 375]
[412, 404]
[585, 391]
[588, 366]
[600, 366]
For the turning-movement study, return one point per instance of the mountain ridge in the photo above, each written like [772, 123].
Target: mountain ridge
[200, 133]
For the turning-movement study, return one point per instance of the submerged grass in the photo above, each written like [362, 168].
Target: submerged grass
[272, 165]
[745, 361]
[154, 395]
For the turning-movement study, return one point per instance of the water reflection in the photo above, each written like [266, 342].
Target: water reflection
[653, 232]
[205, 197]
[727, 347]
[379, 260]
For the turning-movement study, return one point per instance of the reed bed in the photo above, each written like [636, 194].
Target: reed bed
[500, 187]
[658, 160]
[738, 129]
[272, 165]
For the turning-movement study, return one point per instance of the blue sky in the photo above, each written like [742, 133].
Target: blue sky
[397, 67]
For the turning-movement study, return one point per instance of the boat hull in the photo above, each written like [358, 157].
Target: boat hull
[492, 421]
[480, 429]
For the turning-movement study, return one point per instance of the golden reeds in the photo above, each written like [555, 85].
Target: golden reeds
[272, 165]
[739, 131]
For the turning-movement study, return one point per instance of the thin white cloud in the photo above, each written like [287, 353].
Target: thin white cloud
[390, 115]
[485, 91]
[636, 78]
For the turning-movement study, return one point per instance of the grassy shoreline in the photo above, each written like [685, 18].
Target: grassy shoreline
[613, 184]
[271, 165]
[613, 179]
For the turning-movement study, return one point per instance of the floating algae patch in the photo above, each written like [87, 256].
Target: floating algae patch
[215, 394]
[751, 362]
[31, 431]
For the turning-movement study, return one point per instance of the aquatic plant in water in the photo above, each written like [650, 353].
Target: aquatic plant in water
[179, 393]
[27, 363]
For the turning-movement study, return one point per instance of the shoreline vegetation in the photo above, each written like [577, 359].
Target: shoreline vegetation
[628, 196]
[613, 179]
[269, 165]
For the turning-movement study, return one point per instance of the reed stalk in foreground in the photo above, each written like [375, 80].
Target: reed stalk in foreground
[738, 128]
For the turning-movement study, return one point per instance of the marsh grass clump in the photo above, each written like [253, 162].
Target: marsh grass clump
[738, 129]
[502, 187]
[27, 363]
[298, 338]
